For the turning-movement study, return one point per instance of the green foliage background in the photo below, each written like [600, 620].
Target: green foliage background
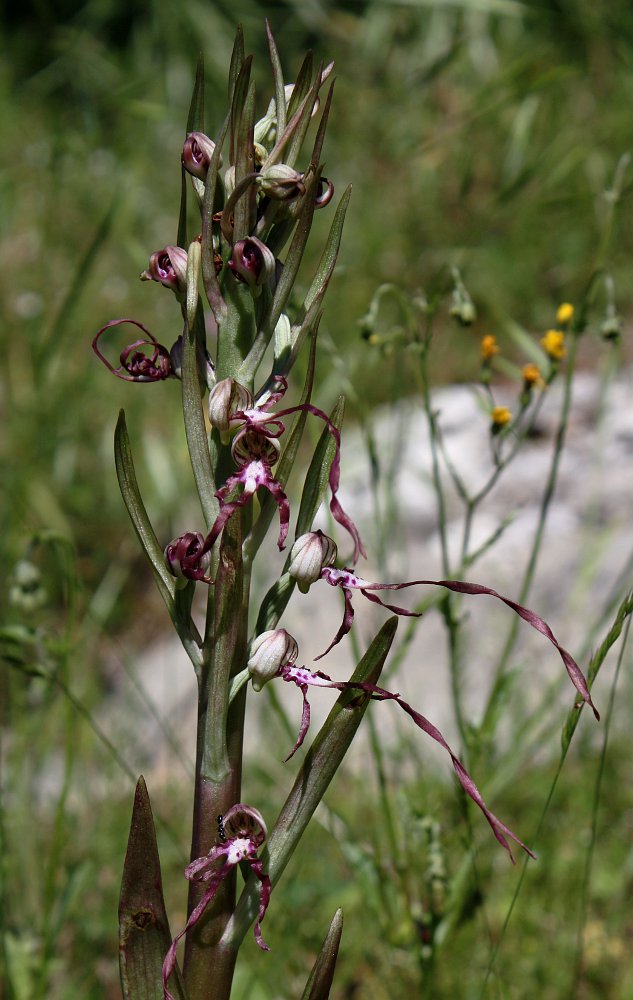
[480, 133]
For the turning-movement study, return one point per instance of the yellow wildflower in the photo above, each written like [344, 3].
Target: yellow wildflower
[531, 376]
[499, 417]
[553, 343]
[564, 313]
[488, 347]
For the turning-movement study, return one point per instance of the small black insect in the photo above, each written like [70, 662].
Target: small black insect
[221, 830]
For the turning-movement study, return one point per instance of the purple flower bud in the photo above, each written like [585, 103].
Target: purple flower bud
[227, 397]
[281, 182]
[269, 652]
[309, 555]
[184, 559]
[169, 266]
[196, 154]
[252, 262]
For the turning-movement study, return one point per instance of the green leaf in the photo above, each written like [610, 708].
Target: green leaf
[274, 603]
[195, 427]
[319, 767]
[195, 123]
[317, 149]
[144, 935]
[61, 324]
[292, 153]
[320, 980]
[301, 87]
[209, 277]
[237, 61]
[330, 254]
[278, 78]
[246, 208]
[138, 515]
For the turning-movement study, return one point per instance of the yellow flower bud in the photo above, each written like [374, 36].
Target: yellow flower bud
[553, 343]
[564, 313]
[499, 418]
[531, 376]
[488, 347]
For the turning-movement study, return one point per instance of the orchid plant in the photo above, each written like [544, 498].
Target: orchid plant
[254, 197]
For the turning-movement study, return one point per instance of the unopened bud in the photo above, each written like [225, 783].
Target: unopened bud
[196, 154]
[26, 591]
[309, 555]
[253, 263]
[225, 398]
[281, 182]
[611, 327]
[270, 651]
[169, 267]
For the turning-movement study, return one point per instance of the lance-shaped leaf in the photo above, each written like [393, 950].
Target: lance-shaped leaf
[320, 980]
[237, 61]
[329, 256]
[138, 515]
[209, 276]
[319, 767]
[302, 85]
[278, 79]
[144, 935]
[195, 123]
[310, 312]
[195, 428]
[296, 142]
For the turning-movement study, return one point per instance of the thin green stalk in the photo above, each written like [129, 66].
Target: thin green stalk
[622, 617]
[489, 714]
[595, 805]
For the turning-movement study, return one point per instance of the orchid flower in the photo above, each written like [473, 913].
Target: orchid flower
[241, 832]
[137, 365]
[256, 448]
[273, 654]
[348, 581]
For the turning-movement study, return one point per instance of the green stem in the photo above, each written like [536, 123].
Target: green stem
[209, 965]
[489, 716]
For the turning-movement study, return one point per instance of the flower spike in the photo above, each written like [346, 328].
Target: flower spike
[241, 832]
[305, 678]
[347, 580]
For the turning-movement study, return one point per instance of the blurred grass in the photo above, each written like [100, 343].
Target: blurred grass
[481, 134]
